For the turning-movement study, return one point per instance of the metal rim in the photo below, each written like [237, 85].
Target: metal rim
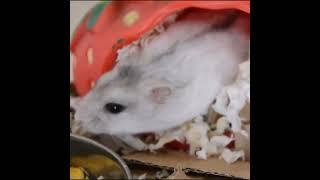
[116, 156]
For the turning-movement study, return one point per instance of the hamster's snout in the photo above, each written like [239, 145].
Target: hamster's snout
[83, 116]
[86, 122]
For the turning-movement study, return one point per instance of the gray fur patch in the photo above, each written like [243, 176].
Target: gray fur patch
[128, 75]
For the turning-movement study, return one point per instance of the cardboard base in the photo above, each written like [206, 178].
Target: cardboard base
[189, 164]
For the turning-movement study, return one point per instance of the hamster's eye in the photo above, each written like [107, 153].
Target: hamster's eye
[114, 108]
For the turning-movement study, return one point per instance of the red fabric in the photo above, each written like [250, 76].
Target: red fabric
[232, 144]
[112, 25]
[177, 145]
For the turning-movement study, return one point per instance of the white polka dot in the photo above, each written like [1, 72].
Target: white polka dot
[130, 18]
[90, 55]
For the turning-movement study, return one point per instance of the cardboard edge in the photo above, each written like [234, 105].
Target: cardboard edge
[180, 171]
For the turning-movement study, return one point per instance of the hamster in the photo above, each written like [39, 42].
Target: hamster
[172, 79]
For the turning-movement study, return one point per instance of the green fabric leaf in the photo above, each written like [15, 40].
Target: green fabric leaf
[95, 13]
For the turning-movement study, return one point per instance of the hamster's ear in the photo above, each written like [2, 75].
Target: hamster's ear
[159, 94]
[157, 89]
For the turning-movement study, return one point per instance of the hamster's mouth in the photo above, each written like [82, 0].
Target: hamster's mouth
[147, 138]
[93, 126]
[84, 126]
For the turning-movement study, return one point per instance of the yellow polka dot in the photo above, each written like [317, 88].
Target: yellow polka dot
[130, 18]
[90, 55]
[74, 64]
[74, 61]
[92, 84]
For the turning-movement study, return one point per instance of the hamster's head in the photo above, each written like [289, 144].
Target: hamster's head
[123, 101]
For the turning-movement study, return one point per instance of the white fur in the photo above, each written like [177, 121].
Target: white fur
[192, 61]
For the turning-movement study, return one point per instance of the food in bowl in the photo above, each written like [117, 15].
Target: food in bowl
[78, 173]
[91, 160]
[93, 167]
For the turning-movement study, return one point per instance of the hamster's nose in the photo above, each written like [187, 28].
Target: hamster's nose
[79, 116]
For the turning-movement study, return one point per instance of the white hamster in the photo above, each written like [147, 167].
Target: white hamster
[173, 79]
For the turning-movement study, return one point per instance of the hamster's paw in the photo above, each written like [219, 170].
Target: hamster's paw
[134, 142]
[161, 142]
